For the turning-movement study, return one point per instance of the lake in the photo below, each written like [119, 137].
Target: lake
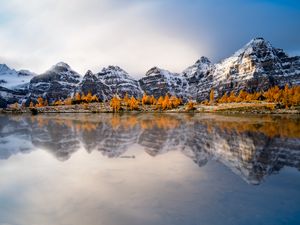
[134, 169]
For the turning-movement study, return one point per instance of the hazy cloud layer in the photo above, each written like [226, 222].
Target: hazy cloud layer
[139, 34]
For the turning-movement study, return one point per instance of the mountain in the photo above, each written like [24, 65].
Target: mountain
[119, 81]
[58, 82]
[199, 77]
[109, 81]
[12, 79]
[13, 84]
[255, 67]
[91, 83]
[159, 82]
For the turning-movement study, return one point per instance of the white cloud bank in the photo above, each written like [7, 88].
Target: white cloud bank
[138, 34]
[36, 34]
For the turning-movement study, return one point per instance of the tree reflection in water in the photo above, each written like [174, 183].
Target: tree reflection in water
[253, 147]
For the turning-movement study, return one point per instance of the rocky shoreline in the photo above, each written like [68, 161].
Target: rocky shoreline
[230, 108]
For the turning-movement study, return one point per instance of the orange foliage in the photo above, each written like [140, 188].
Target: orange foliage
[95, 98]
[166, 102]
[133, 104]
[152, 100]
[175, 101]
[126, 101]
[58, 102]
[31, 105]
[87, 98]
[146, 100]
[223, 99]
[289, 96]
[211, 96]
[77, 97]
[115, 104]
[68, 101]
[190, 106]
[40, 102]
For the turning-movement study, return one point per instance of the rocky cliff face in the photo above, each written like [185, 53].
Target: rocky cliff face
[13, 84]
[13, 79]
[58, 82]
[91, 83]
[119, 81]
[255, 67]
[159, 82]
[108, 82]
[199, 78]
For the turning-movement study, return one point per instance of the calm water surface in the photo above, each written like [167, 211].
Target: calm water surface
[136, 169]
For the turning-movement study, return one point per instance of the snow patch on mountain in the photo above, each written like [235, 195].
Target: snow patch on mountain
[119, 81]
[13, 79]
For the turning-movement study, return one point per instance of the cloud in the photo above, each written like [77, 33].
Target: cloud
[135, 34]
[88, 35]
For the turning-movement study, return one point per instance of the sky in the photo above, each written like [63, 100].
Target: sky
[139, 34]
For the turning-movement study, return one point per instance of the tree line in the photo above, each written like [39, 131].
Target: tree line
[286, 97]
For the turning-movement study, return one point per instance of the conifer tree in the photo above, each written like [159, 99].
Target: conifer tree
[40, 102]
[211, 96]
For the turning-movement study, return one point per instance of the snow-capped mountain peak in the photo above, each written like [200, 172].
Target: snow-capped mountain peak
[13, 79]
[159, 82]
[203, 60]
[119, 81]
[256, 66]
[199, 69]
[5, 69]
[61, 64]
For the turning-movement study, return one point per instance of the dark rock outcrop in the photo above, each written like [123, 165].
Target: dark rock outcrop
[58, 82]
[159, 82]
[90, 83]
[119, 81]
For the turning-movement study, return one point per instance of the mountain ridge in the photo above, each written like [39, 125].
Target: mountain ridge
[256, 66]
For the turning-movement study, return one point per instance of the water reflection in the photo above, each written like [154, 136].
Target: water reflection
[252, 147]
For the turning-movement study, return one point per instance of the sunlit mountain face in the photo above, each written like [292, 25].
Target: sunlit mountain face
[251, 147]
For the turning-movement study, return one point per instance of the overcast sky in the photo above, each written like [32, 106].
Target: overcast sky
[139, 34]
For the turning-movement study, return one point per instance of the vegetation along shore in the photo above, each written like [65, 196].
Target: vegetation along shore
[274, 100]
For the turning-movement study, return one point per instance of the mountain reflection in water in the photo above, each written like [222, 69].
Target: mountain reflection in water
[252, 147]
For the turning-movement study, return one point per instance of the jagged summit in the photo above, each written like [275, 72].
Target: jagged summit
[88, 73]
[159, 82]
[199, 69]
[13, 79]
[119, 81]
[257, 46]
[4, 68]
[113, 67]
[156, 70]
[61, 64]
[58, 82]
[256, 66]
[203, 60]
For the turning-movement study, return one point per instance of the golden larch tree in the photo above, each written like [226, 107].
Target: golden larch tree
[40, 101]
[115, 104]
[212, 96]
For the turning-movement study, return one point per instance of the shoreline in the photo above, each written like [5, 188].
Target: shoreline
[227, 108]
